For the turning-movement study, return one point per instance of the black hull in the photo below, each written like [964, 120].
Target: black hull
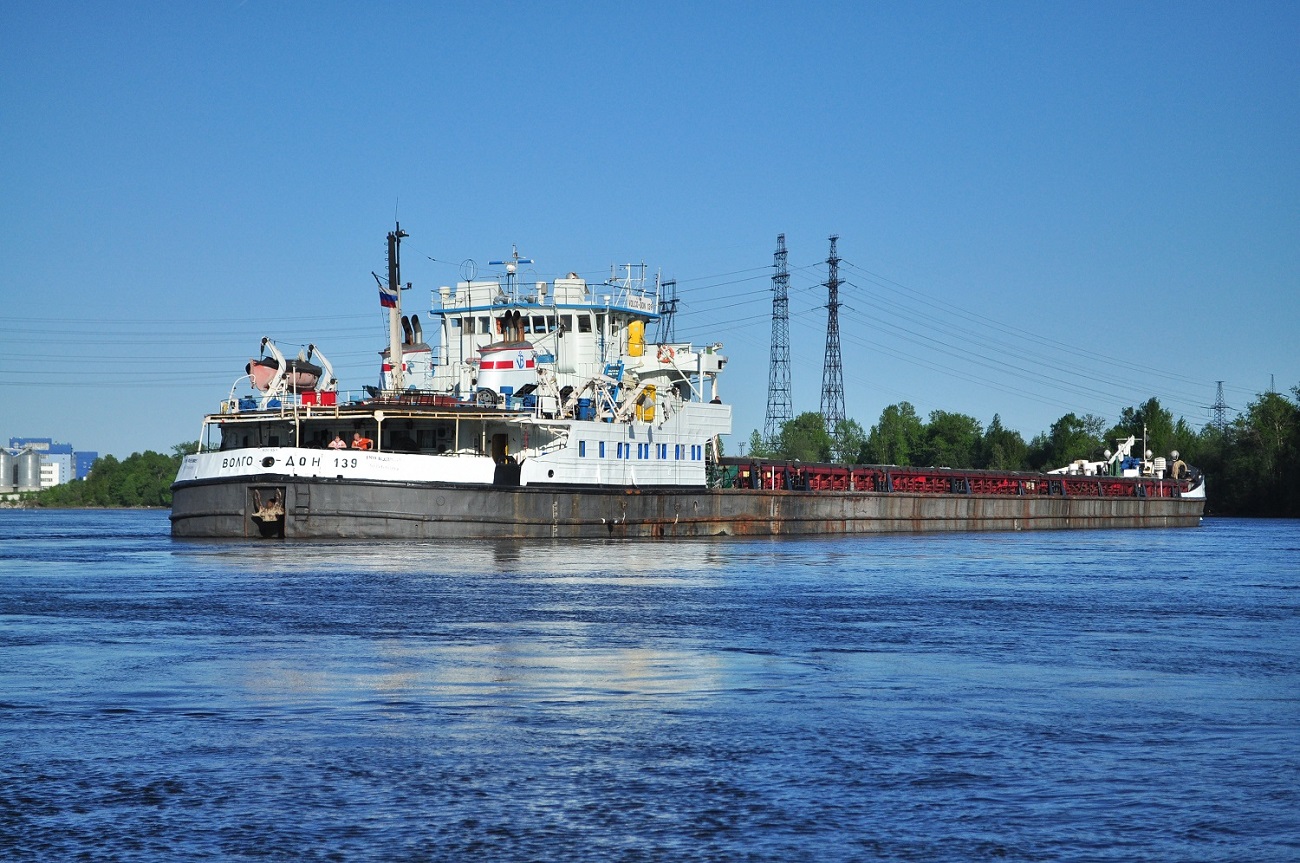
[332, 509]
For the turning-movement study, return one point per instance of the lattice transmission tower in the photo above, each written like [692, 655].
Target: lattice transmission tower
[666, 334]
[833, 370]
[779, 408]
[1220, 408]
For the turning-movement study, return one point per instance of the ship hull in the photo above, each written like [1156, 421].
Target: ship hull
[324, 508]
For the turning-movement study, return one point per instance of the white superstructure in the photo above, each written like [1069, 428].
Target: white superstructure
[552, 384]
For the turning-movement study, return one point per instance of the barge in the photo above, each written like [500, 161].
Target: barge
[546, 410]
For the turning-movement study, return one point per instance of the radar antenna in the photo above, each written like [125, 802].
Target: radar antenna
[512, 268]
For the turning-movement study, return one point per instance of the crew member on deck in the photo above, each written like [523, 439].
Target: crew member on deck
[359, 442]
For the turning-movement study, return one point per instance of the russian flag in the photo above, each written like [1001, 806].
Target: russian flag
[387, 297]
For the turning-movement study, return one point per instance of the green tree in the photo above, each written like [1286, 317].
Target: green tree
[142, 479]
[951, 440]
[805, 438]
[847, 441]
[1259, 463]
[1186, 442]
[1071, 437]
[896, 438]
[1003, 448]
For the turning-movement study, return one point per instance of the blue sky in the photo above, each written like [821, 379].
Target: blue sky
[1042, 208]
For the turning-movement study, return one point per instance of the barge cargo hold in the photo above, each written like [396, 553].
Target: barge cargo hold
[320, 508]
[545, 411]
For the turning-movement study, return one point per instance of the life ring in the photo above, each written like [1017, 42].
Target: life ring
[666, 354]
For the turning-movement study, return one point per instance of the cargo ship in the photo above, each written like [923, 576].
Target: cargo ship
[544, 409]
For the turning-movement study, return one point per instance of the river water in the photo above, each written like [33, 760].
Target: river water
[1109, 695]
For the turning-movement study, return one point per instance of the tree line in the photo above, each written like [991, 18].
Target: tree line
[1252, 465]
[140, 479]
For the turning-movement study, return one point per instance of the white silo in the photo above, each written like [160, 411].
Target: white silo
[8, 467]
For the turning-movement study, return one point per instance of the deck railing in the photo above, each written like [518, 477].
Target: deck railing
[794, 476]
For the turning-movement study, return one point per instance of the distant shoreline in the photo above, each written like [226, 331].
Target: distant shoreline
[29, 504]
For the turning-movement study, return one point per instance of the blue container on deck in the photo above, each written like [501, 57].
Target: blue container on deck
[586, 411]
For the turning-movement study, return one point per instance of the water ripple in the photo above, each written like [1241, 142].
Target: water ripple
[1090, 696]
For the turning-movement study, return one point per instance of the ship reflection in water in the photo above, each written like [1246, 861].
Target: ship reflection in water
[457, 644]
[469, 676]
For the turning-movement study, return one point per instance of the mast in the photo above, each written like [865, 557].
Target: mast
[512, 270]
[395, 311]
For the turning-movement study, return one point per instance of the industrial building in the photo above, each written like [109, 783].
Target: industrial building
[31, 464]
